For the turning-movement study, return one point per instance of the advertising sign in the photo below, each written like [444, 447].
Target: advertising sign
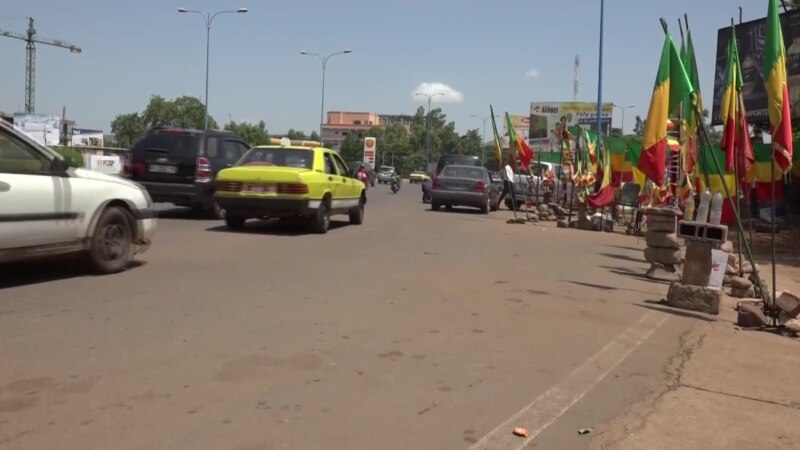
[370, 144]
[110, 164]
[44, 129]
[82, 137]
[522, 125]
[751, 37]
[545, 118]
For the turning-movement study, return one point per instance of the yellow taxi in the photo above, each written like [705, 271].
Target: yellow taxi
[418, 176]
[290, 179]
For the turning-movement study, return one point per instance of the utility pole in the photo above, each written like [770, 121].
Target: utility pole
[428, 145]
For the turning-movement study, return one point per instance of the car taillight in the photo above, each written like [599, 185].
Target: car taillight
[292, 188]
[127, 168]
[228, 186]
[480, 186]
[203, 172]
[436, 183]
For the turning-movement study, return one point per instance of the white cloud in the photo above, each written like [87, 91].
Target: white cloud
[449, 95]
[533, 74]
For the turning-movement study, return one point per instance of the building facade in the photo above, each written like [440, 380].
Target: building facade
[341, 124]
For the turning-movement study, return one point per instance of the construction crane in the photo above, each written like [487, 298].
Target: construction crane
[575, 86]
[30, 58]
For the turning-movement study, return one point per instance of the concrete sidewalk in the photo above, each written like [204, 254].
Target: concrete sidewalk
[728, 388]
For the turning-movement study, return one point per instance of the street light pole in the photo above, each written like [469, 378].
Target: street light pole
[428, 145]
[209, 18]
[483, 136]
[324, 61]
[623, 108]
[600, 75]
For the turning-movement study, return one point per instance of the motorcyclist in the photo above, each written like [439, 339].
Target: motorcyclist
[396, 181]
[362, 175]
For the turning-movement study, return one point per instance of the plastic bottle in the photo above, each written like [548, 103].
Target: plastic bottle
[688, 209]
[702, 208]
[716, 209]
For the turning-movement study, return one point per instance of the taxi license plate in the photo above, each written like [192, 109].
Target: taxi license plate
[160, 168]
[259, 188]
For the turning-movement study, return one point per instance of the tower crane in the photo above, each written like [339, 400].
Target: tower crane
[30, 58]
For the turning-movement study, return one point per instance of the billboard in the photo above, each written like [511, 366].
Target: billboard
[522, 125]
[42, 128]
[545, 119]
[369, 150]
[750, 37]
[82, 137]
[110, 164]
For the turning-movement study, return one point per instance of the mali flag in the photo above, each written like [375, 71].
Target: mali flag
[515, 143]
[777, 91]
[736, 132]
[690, 121]
[671, 87]
[498, 149]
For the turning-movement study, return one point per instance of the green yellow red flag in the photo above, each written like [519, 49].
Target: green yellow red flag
[777, 91]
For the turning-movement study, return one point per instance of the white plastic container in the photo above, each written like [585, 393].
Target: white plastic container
[716, 209]
[702, 209]
[688, 209]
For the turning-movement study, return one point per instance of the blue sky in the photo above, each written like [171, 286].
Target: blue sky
[482, 49]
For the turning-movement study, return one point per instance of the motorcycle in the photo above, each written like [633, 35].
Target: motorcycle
[395, 186]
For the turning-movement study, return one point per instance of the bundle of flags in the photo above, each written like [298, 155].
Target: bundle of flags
[517, 147]
[777, 91]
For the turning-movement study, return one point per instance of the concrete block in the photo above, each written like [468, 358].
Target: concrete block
[743, 292]
[660, 211]
[663, 256]
[740, 283]
[727, 247]
[662, 273]
[788, 303]
[659, 239]
[694, 298]
[662, 226]
[702, 231]
[697, 265]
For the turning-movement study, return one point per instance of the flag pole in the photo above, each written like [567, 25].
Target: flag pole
[738, 156]
[707, 142]
[772, 229]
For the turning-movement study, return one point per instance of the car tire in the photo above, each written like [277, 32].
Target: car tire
[486, 206]
[111, 244]
[495, 205]
[322, 219]
[234, 223]
[357, 213]
[435, 205]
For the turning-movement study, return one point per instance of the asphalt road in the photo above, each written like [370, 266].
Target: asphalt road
[417, 329]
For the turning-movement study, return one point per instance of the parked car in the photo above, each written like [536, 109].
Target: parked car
[50, 207]
[385, 174]
[418, 176]
[290, 180]
[178, 165]
[461, 160]
[371, 175]
[464, 186]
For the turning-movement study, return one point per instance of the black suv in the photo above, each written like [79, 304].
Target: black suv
[178, 166]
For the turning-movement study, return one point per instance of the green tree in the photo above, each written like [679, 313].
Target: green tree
[352, 149]
[253, 134]
[296, 135]
[128, 128]
[183, 112]
[638, 127]
[314, 136]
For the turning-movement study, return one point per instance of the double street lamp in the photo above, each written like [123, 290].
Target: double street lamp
[623, 108]
[209, 18]
[429, 96]
[324, 60]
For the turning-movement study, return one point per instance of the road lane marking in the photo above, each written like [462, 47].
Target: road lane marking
[551, 405]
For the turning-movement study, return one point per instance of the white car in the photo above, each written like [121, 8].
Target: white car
[48, 207]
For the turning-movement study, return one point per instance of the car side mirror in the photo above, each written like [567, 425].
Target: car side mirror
[60, 165]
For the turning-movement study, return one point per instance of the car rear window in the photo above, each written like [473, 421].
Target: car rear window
[463, 172]
[172, 143]
[281, 157]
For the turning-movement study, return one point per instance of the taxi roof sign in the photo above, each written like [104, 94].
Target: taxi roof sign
[286, 142]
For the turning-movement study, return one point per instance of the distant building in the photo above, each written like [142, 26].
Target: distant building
[341, 124]
[404, 119]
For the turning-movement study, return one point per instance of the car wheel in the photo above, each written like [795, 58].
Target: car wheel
[217, 212]
[495, 205]
[435, 205]
[322, 219]
[111, 246]
[357, 213]
[234, 223]
[486, 206]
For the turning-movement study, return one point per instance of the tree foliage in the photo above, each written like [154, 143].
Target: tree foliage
[128, 128]
[253, 134]
[183, 112]
[638, 127]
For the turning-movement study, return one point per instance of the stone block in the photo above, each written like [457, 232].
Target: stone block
[788, 303]
[733, 259]
[740, 283]
[743, 292]
[727, 247]
[659, 239]
[751, 314]
[662, 273]
[694, 298]
[663, 256]
[562, 223]
[660, 211]
[697, 265]
[661, 226]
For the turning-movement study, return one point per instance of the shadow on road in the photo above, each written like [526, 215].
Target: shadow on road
[277, 227]
[46, 270]
[628, 272]
[622, 257]
[663, 307]
[181, 213]
[457, 210]
[592, 285]
[622, 247]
